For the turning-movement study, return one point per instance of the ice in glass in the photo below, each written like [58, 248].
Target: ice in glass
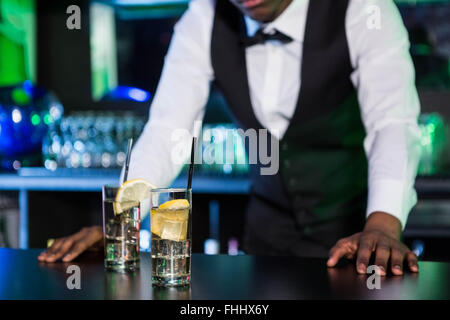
[122, 210]
[171, 236]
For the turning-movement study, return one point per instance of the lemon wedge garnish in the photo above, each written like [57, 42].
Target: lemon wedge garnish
[175, 204]
[170, 220]
[131, 193]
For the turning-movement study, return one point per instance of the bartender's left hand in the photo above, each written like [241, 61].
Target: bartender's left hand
[381, 237]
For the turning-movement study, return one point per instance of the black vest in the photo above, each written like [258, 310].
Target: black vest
[323, 168]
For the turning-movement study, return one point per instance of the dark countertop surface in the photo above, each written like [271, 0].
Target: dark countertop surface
[215, 277]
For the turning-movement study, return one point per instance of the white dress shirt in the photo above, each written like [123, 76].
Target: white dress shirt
[383, 75]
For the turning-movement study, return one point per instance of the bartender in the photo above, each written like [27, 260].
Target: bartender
[333, 83]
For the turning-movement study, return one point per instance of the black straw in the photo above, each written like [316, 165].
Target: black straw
[127, 161]
[191, 166]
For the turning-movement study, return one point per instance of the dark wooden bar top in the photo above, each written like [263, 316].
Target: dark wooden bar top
[215, 277]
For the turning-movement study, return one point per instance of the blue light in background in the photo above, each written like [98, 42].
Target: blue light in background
[418, 247]
[144, 240]
[28, 87]
[211, 246]
[130, 93]
[138, 94]
[227, 168]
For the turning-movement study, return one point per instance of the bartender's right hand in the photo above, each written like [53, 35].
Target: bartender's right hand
[70, 247]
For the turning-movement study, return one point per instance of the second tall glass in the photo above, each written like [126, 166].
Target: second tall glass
[171, 236]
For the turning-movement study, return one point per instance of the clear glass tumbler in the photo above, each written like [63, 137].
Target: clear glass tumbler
[171, 237]
[121, 233]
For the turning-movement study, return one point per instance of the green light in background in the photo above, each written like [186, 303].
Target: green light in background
[48, 119]
[431, 128]
[433, 140]
[35, 119]
[422, 49]
[17, 41]
[103, 49]
[426, 140]
[20, 97]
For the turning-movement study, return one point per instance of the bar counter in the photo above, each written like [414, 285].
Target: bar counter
[429, 219]
[218, 277]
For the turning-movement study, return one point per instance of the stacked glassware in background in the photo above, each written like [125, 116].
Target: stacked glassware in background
[99, 140]
[91, 140]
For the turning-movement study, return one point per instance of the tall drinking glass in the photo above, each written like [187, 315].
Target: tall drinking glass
[121, 233]
[171, 236]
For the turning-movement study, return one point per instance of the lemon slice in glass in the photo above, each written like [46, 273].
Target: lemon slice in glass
[170, 220]
[131, 193]
[175, 204]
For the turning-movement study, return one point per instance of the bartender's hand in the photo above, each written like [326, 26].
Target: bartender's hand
[68, 248]
[381, 237]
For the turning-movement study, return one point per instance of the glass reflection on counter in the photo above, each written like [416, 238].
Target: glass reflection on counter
[119, 286]
[171, 293]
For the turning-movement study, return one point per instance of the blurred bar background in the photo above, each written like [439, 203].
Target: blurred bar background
[70, 99]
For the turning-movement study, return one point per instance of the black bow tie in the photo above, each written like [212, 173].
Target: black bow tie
[261, 37]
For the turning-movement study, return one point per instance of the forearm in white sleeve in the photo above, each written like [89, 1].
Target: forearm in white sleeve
[389, 104]
[180, 98]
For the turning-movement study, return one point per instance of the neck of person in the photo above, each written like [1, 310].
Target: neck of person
[279, 10]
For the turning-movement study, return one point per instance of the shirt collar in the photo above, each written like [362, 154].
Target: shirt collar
[291, 21]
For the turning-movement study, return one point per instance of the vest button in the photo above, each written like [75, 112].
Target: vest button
[284, 146]
[292, 182]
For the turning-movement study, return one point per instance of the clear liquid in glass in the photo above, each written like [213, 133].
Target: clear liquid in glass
[121, 238]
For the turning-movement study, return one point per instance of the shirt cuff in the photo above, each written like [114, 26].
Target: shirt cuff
[393, 197]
